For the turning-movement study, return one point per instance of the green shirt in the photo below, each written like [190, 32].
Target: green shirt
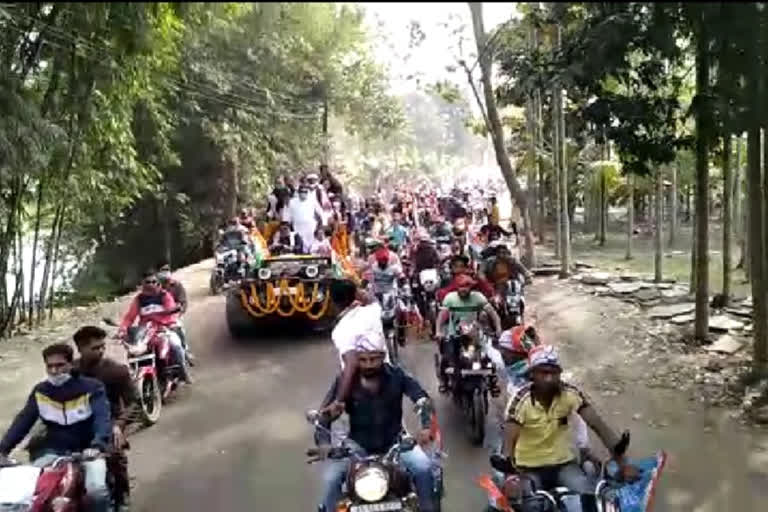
[463, 310]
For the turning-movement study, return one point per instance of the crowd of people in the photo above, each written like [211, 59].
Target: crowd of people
[456, 236]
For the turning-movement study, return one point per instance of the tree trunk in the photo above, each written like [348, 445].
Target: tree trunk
[659, 227]
[756, 245]
[57, 245]
[35, 240]
[630, 214]
[738, 226]
[603, 208]
[703, 127]
[540, 220]
[727, 215]
[497, 132]
[556, 157]
[565, 228]
[673, 202]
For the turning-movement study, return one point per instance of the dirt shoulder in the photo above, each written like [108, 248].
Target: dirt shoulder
[20, 364]
[659, 390]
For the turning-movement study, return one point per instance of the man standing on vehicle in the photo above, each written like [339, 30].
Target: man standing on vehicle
[75, 411]
[375, 410]
[121, 392]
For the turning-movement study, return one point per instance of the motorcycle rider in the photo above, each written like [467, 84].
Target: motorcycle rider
[459, 267]
[462, 305]
[424, 257]
[397, 233]
[235, 236]
[179, 294]
[154, 304]
[75, 412]
[375, 413]
[386, 276]
[534, 438]
[246, 220]
[121, 392]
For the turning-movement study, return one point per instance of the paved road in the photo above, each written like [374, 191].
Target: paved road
[235, 442]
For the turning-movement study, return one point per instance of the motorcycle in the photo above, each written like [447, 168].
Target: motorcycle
[153, 369]
[59, 487]
[377, 482]
[510, 303]
[611, 494]
[471, 377]
[394, 304]
[429, 280]
[231, 266]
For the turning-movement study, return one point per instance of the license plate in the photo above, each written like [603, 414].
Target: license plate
[377, 507]
[482, 371]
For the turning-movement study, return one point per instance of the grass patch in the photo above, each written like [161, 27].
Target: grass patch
[676, 263]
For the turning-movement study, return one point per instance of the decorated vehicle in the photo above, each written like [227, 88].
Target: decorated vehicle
[288, 287]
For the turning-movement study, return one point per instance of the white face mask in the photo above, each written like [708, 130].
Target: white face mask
[60, 379]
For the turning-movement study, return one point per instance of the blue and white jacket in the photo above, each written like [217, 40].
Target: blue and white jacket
[76, 416]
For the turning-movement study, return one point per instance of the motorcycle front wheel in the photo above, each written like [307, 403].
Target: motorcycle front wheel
[392, 346]
[215, 283]
[477, 418]
[150, 397]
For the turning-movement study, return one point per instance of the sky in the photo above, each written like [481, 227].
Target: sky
[439, 48]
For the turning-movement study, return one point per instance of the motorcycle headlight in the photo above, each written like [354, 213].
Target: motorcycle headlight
[264, 274]
[312, 271]
[371, 484]
[476, 365]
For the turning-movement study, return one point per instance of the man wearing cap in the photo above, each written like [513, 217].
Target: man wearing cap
[459, 267]
[375, 410]
[462, 305]
[537, 437]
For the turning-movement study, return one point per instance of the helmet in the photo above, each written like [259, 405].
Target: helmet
[543, 355]
[519, 339]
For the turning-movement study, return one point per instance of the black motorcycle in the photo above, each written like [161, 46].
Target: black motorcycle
[471, 376]
[231, 266]
[510, 303]
[375, 482]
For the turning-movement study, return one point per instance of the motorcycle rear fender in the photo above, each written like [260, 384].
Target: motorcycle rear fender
[146, 371]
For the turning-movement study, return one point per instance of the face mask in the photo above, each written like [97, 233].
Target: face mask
[164, 276]
[60, 379]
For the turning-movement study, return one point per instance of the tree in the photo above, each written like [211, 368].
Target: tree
[496, 130]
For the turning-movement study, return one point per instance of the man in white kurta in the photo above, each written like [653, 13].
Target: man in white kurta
[305, 214]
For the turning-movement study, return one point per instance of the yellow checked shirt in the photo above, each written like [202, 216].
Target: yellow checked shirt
[545, 438]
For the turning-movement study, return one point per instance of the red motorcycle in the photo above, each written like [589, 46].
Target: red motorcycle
[155, 372]
[59, 487]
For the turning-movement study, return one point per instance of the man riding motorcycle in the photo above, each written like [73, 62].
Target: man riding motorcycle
[75, 411]
[179, 294]
[460, 267]
[236, 236]
[246, 220]
[121, 392]
[397, 233]
[424, 257]
[375, 410]
[462, 305]
[535, 439]
[386, 276]
[153, 304]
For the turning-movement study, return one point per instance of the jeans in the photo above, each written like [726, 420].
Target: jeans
[97, 493]
[416, 462]
[178, 355]
[568, 475]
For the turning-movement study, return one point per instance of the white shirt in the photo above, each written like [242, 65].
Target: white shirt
[358, 321]
[302, 213]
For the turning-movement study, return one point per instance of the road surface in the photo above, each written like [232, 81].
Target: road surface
[235, 442]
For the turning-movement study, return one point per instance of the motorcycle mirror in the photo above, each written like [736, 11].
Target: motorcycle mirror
[503, 464]
[109, 321]
[313, 416]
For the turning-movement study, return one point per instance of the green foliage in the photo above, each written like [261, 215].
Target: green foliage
[130, 125]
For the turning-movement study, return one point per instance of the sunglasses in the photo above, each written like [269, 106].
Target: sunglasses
[150, 281]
